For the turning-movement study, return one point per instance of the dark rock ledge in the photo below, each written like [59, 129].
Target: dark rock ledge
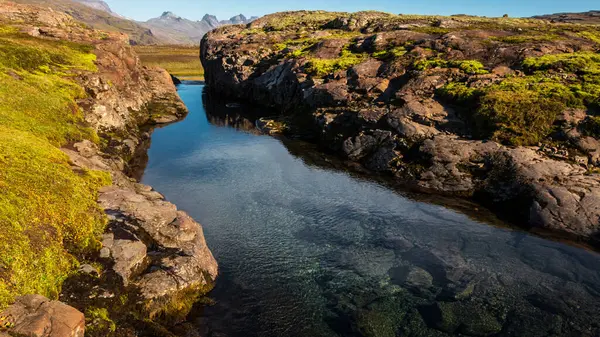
[380, 91]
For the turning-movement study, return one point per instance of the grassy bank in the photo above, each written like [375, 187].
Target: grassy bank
[180, 61]
[48, 211]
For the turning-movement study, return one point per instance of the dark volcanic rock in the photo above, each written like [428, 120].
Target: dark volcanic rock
[364, 75]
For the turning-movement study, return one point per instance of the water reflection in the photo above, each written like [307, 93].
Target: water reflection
[308, 251]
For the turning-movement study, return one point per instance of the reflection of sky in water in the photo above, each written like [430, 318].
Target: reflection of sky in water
[300, 248]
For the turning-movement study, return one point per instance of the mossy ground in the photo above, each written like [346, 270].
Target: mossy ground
[48, 211]
[180, 61]
[522, 110]
[322, 67]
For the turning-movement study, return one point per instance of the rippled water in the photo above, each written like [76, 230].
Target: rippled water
[305, 251]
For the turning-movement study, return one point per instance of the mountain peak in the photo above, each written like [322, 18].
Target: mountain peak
[240, 18]
[170, 15]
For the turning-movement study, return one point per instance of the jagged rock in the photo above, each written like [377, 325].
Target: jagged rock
[88, 269]
[128, 256]
[37, 316]
[449, 156]
[328, 94]
[329, 49]
[364, 144]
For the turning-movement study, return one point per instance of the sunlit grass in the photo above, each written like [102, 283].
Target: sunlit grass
[180, 61]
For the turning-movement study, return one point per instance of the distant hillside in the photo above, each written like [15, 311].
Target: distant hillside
[173, 29]
[97, 4]
[591, 17]
[98, 15]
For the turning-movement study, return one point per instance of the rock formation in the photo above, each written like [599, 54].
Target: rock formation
[157, 253]
[489, 109]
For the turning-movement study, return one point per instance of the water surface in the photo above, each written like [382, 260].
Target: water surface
[306, 251]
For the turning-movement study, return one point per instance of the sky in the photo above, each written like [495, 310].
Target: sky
[142, 10]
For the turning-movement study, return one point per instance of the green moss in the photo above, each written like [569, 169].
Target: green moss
[582, 62]
[299, 47]
[389, 54]
[471, 67]
[522, 110]
[45, 207]
[517, 117]
[21, 52]
[525, 38]
[98, 321]
[48, 211]
[432, 30]
[293, 20]
[43, 105]
[590, 35]
[322, 67]
[459, 92]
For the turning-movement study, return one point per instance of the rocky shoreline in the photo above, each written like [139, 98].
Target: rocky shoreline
[435, 102]
[154, 263]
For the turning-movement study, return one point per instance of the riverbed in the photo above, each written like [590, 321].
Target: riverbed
[310, 251]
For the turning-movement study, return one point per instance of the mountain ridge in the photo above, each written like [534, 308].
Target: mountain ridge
[174, 29]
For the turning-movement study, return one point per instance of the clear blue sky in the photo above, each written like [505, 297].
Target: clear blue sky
[224, 9]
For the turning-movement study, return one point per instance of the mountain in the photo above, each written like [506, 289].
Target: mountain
[591, 17]
[173, 29]
[97, 14]
[100, 5]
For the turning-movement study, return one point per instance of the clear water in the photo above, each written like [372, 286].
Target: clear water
[305, 251]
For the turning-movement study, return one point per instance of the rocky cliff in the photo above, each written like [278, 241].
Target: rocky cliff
[503, 111]
[75, 102]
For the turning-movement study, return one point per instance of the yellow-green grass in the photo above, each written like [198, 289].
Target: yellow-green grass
[180, 61]
[322, 67]
[48, 211]
[522, 110]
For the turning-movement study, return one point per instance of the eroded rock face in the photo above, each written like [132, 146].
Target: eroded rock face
[429, 142]
[37, 316]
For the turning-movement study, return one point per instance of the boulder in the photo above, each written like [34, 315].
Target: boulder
[37, 316]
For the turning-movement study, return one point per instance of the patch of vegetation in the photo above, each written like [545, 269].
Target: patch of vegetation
[48, 211]
[45, 208]
[389, 54]
[471, 67]
[180, 61]
[431, 30]
[322, 67]
[98, 321]
[299, 46]
[21, 52]
[582, 62]
[522, 110]
[525, 38]
[590, 35]
[292, 20]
